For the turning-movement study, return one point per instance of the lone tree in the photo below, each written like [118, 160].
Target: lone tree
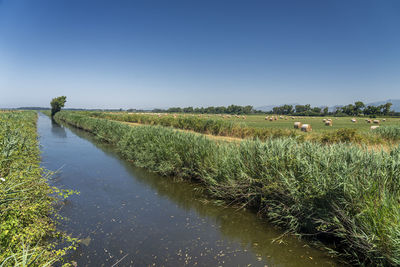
[57, 103]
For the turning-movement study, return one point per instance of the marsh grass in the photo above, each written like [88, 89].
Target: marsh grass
[25, 196]
[345, 196]
[389, 132]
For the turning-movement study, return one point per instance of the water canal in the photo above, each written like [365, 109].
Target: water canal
[129, 217]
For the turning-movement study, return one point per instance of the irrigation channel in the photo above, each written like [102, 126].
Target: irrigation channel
[127, 215]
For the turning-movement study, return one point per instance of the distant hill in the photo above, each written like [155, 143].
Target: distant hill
[395, 102]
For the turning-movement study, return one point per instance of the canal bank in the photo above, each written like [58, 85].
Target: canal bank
[126, 213]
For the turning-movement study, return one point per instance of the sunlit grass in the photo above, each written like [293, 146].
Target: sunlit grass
[255, 126]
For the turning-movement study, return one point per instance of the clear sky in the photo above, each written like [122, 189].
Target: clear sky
[145, 54]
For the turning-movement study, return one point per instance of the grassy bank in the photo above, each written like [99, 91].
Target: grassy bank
[213, 125]
[343, 131]
[346, 196]
[258, 121]
[25, 197]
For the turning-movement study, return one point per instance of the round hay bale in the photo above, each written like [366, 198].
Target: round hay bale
[297, 125]
[306, 128]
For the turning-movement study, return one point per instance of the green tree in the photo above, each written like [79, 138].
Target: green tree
[359, 106]
[316, 110]
[188, 110]
[348, 109]
[372, 110]
[386, 108]
[57, 103]
[303, 108]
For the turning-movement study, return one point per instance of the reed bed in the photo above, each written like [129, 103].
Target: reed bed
[220, 127]
[25, 197]
[389, 132]
[213, 126]
[345, 196]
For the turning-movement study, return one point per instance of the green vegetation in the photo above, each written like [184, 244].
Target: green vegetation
[232, 109]
[214, 126]
[255, 126]
[348, 110]
[346, 196]
[389, 132]
[57, 103]
[317, 123]
[356, 109]
[27, 233]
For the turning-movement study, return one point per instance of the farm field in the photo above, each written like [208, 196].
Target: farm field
[317, 124]
[258, 121]
[343, 129]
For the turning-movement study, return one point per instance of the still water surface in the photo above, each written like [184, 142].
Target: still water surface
[127, 215]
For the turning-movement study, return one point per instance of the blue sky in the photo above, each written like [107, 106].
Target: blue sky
[145, 54]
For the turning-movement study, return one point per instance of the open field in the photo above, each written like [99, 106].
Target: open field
[317, 124]
[258, 121]
[255, 126]
[341, 194]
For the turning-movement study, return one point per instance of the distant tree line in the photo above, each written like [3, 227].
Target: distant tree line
[300, 110]
[359, 108]
[232, 109]
[356, 109]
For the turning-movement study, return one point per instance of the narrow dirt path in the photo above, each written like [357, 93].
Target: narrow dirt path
[213, 137]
